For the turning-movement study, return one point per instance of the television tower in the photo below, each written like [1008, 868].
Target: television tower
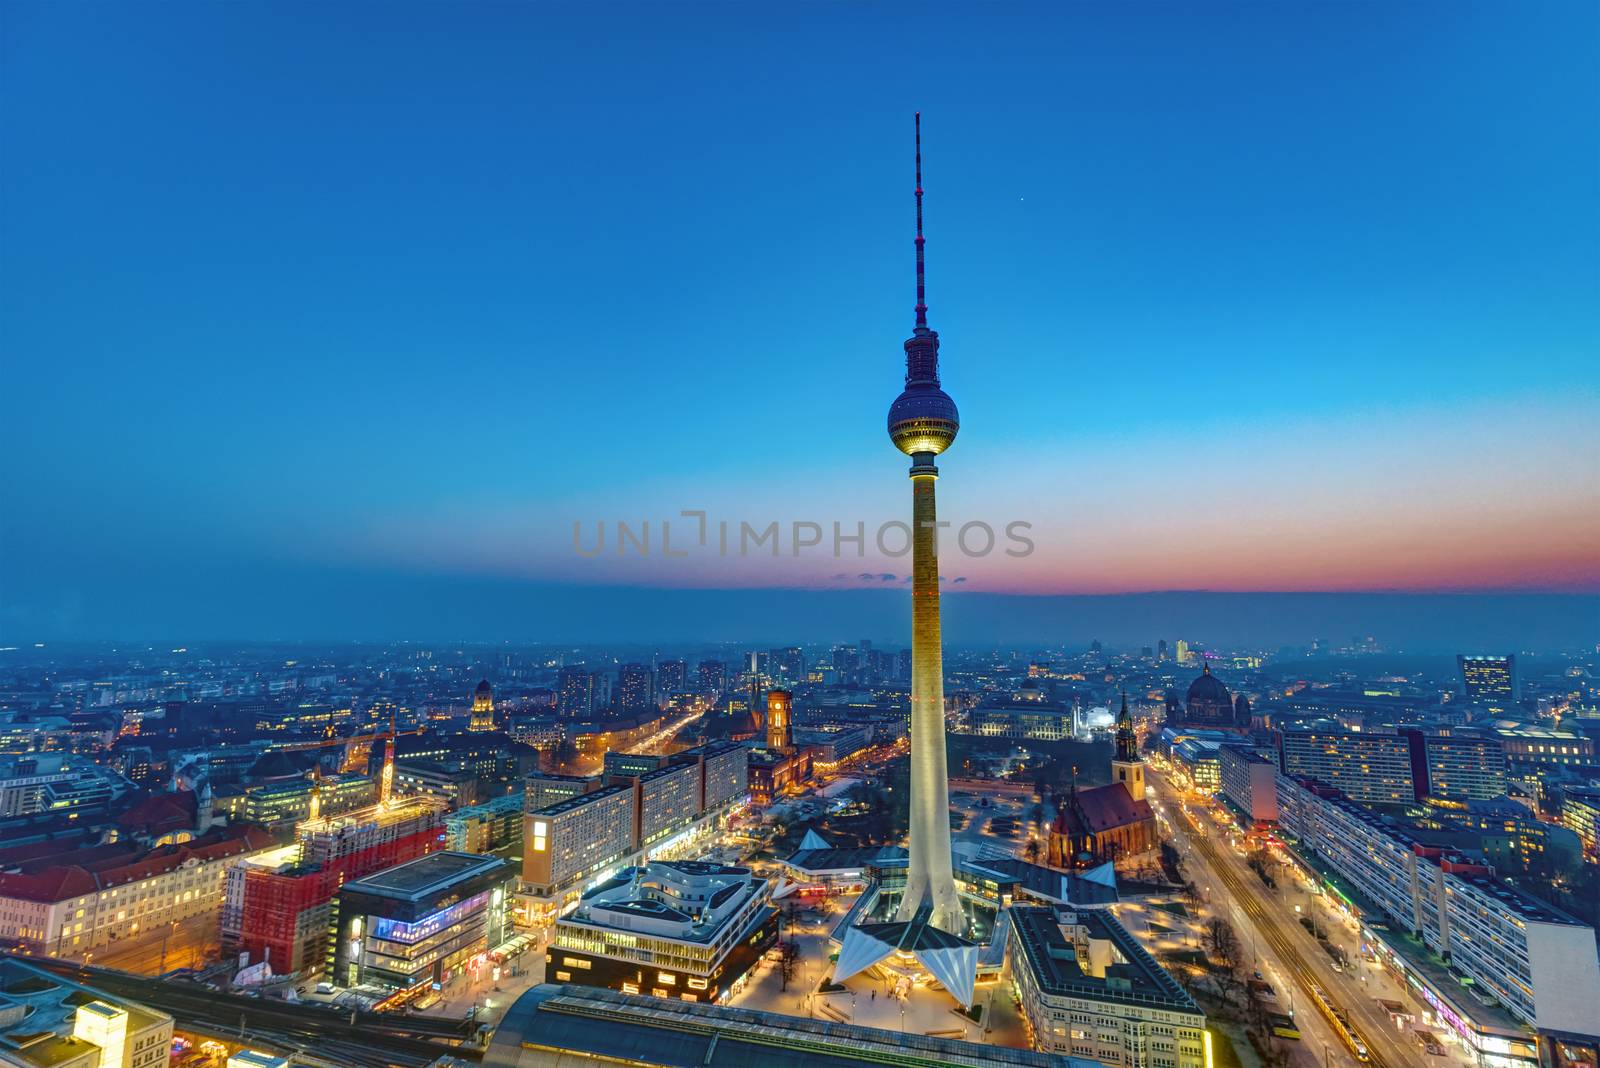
[922, 423]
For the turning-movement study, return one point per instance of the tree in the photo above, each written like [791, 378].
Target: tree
[1223, 946]
[1222, 943]
[1171, 862]
[1031, 851]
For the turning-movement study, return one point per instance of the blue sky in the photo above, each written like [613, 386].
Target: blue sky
[1241, 297]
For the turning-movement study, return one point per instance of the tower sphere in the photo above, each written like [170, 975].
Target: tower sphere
[923, 419]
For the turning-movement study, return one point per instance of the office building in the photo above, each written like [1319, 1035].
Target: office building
[286, 803]
[1538, 962]
[1372, 768]
[487, 828]
[419, 924]
[276, 907]
[1088, 989]
[789, 665]
[1026, 715]
[1247, 780]
[1580, 813]
[451, 786]
[48, 1021]
[832, 742]
[56, 783]
[1491, 681]
[1199, 759]
[1530, 750]
[686, 930]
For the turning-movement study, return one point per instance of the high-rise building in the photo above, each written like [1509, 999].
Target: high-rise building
[713, 675]
[789, 665]
[923, 423]
[482, 708]
[1248, 780]
[575, 692]
[635, 687]
[1182, 655]
[1491, 681]
[671, 676]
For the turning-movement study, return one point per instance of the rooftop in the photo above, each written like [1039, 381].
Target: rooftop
[427, 875]
[1133, 978]
[43, 1034]
[567, 805]
[603, 1024]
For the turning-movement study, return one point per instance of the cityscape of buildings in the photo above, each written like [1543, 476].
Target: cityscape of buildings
[437, 817]
[1187, 850]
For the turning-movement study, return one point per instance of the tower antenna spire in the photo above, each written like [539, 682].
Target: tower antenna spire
[922, 293]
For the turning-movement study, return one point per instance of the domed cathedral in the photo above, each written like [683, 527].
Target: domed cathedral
[482, 708]
[1106, 822]
[1208, 704]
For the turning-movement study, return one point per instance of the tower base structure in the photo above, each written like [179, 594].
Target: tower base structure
[950, 959]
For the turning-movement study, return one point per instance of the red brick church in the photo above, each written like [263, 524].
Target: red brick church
[1107, 822]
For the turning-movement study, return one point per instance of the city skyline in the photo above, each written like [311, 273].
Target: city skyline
[457, 605]
[346, 340]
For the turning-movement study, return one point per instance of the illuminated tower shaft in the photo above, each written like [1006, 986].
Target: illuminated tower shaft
[923, 423]
[930, 876]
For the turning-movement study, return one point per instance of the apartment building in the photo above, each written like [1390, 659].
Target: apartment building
[1369, 767]
[1536, 961]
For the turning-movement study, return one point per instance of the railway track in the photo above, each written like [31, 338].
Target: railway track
[1248, 900]
[370, 1040]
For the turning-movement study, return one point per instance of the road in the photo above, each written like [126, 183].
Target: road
[183, 945]
[1262, 918]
